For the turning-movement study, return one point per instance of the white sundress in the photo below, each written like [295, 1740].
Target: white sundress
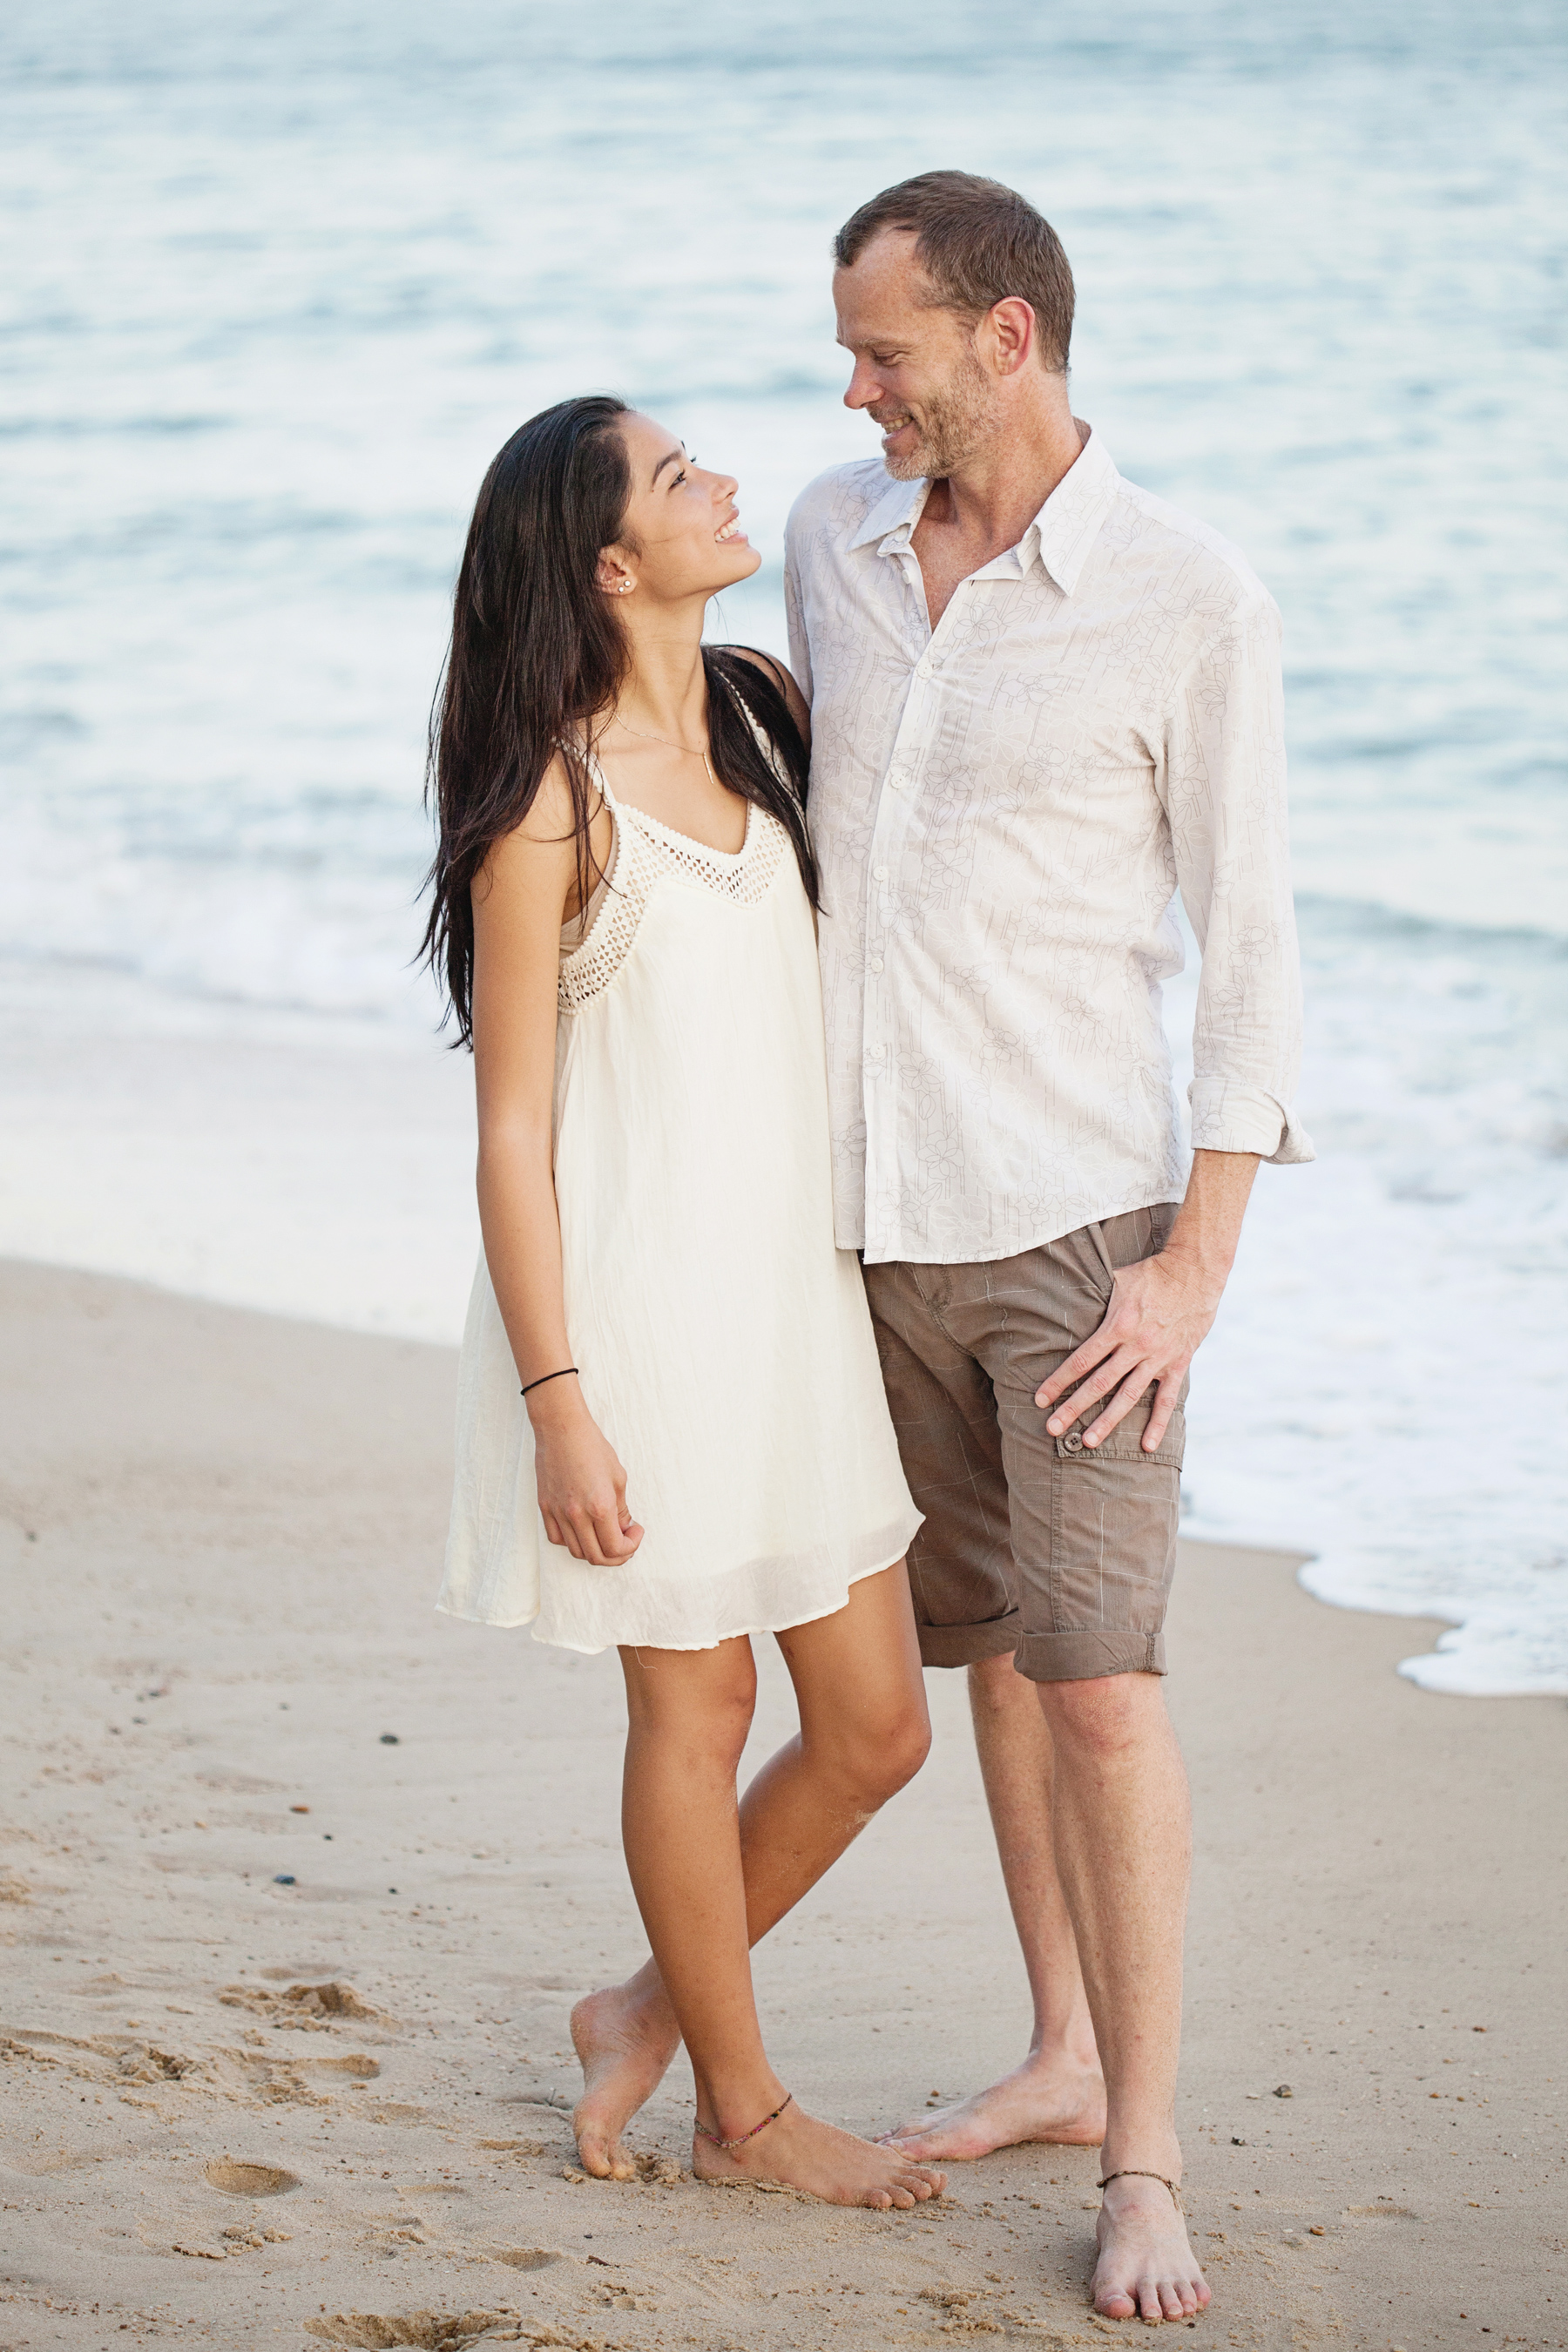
[724, 1343]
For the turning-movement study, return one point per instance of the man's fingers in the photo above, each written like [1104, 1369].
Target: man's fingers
[1078, 1366]
[1083, 1400]
[1165, 1397]
[1121, 1405]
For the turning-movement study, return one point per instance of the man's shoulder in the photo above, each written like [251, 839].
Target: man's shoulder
[834, 504]
[1212, 567]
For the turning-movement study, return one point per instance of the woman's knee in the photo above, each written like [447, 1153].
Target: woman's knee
[880, 1754]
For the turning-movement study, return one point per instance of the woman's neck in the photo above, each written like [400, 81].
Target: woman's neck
[666, 690]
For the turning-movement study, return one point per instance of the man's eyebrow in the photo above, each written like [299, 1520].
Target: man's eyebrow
[670, 458]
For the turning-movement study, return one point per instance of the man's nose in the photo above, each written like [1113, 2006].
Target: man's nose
[862, 388]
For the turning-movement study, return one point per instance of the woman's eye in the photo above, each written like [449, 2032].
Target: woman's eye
[675, 478]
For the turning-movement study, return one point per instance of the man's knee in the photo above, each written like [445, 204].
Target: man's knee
[996, 1686]
[1108, 1715]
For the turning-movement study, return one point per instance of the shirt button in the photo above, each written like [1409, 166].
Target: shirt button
[878, 873]
[1072, 1443]
[876, 963]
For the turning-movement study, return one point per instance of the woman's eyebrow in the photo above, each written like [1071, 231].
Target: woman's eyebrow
[670, 458]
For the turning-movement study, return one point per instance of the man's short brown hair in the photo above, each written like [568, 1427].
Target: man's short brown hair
[979, 243]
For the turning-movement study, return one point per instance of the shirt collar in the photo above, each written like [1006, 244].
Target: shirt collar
[1059, 536]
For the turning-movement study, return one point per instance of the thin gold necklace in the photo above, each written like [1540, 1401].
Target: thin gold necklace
[668, 745]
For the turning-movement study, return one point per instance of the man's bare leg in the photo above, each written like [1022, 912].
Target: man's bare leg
[1058, 2094]
[863, 1732]
[1123, 1842]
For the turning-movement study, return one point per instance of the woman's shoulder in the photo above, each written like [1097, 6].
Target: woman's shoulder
[778, 677]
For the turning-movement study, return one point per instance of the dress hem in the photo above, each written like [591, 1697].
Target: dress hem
[736, 1632]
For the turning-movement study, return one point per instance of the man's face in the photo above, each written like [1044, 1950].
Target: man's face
[915, 373]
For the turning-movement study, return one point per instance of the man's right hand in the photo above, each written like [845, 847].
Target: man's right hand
[582, 1486]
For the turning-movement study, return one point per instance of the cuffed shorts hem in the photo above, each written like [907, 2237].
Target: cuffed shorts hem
[1081, 1657]
[966, 1646]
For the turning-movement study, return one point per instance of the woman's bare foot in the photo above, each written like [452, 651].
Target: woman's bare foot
[1146, 2268]
[822, 2162]
[1044, 2099]
[625, 2038]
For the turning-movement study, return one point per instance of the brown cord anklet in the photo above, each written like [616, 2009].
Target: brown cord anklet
[1131, 2172]
[715, 2141]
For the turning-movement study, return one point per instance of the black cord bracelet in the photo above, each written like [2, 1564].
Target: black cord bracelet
[539, 1383]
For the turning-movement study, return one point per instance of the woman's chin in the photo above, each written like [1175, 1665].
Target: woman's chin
[740, 558]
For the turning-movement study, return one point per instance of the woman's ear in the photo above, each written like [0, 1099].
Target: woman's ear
[614, 577]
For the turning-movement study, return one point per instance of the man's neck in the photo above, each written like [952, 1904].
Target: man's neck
[988, 502]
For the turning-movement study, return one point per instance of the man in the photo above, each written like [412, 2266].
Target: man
[1041, 701]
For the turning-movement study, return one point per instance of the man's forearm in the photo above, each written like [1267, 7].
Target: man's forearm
[1203, 1240]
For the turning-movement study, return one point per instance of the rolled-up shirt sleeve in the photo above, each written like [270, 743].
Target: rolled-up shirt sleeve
[1222, 778]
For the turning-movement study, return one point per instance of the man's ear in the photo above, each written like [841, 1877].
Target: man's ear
[1009, 327]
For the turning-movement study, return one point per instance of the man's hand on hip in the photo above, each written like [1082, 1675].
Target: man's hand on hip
[1161, 1310]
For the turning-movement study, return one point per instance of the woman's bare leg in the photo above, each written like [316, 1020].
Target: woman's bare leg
[864, 1732]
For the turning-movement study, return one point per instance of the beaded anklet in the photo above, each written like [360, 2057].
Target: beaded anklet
[714, 2140]
[1131, 2172]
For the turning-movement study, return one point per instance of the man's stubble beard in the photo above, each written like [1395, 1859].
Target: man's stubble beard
[957, 420]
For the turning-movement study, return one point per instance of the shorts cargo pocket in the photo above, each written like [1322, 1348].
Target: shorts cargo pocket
[1125, 1442]
[1113, 1551]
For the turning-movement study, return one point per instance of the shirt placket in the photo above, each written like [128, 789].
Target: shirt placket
[895, 844]
[892, 873]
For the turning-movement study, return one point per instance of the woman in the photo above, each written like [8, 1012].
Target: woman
[624, 898]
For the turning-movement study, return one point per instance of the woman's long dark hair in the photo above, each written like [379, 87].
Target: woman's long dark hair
[537, 660]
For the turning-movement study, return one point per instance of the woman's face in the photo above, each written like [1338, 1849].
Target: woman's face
[682, 530]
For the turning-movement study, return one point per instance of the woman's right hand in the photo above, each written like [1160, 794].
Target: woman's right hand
[582, 1486]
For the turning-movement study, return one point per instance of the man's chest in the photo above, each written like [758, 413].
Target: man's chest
[1019, 693]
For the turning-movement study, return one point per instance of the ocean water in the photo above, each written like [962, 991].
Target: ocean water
[279, 279]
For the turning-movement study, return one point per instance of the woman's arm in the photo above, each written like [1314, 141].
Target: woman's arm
[520, 900]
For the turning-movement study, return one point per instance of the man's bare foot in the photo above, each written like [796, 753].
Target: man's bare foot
[822, 2162]
[625, 2038]
[1041, 2100]
[1146, 2268]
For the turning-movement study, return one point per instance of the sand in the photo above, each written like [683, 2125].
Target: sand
[245, 1762]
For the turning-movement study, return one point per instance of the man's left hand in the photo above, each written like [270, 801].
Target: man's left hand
[1160, 1312]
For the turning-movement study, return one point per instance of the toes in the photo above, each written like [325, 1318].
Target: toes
[1116, 2305]
[902, 2198]
[1149, 2309]
[1171, 2304]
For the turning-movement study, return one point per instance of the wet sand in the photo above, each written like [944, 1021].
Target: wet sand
[244, 1762]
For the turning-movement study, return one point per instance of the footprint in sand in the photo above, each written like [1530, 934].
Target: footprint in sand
[237, 2179]
[527, 2258]
[306, 2007]
[378, 2332]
